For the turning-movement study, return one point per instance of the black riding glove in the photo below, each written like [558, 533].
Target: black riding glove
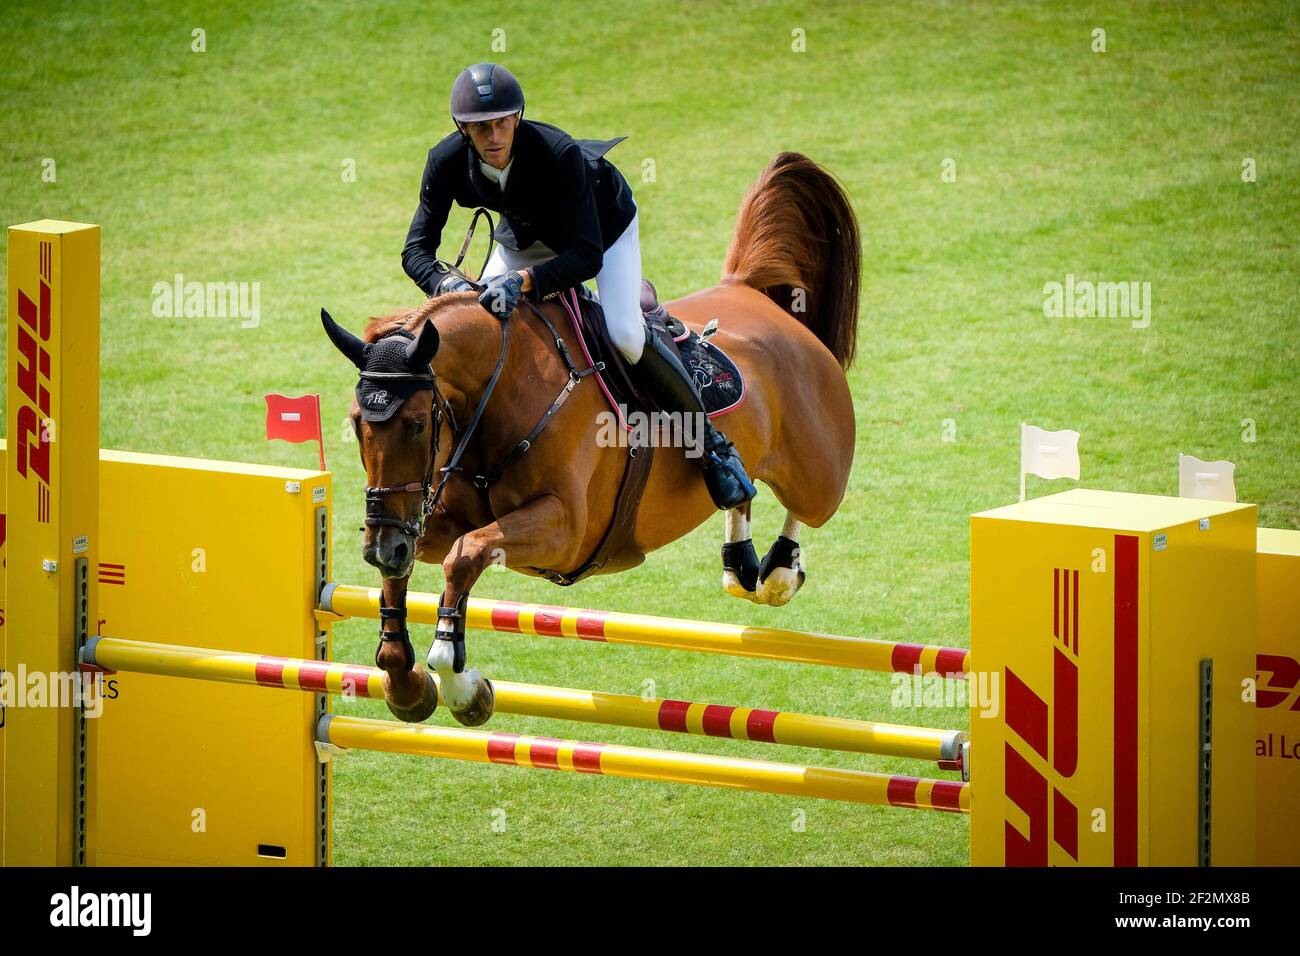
[452, 283]
[502, 294]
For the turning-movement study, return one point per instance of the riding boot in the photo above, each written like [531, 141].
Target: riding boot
[672, 388]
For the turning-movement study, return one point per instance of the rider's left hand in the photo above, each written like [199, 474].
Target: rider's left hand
[502, 294]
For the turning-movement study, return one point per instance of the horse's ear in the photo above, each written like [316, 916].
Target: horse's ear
[422, 348]
[347, 343]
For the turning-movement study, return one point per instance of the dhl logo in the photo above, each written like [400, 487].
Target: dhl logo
[33, 374]
[1282, 684]
[1051, 732]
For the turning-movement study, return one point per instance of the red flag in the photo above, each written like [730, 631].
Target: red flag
[295, 420]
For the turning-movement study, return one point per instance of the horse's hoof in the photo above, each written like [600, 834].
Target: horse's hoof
[780, 573]
[423, 706]
[731, 584]
[482, 703]
[781, 585]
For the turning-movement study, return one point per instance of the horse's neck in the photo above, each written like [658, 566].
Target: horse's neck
[467, 353]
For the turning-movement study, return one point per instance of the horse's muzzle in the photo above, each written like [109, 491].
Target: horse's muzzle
[391, 551]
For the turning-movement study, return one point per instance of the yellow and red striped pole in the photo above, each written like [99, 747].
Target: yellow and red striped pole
[535, 700]
[641, 763]
[770, 643]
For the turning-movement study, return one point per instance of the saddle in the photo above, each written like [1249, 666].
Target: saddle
[716, 376]
[721, 385]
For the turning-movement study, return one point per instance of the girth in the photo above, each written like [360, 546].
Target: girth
[636, 471]
[626, 505]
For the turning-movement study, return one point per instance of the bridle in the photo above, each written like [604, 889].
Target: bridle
[376, 516]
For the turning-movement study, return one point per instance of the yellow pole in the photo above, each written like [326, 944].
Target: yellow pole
[611, 627]
[644, 764]
[535, 700]
[232, 667]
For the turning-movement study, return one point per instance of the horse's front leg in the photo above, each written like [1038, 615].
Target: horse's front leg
[409, 689]
[540, 533]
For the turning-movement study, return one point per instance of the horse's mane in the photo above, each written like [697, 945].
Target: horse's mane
[412, 319]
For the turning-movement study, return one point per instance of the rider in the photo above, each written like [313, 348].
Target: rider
[567, 217]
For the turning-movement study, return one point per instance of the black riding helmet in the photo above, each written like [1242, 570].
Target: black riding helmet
[485, 91]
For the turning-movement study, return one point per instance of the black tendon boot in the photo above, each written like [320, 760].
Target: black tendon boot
[671, 386]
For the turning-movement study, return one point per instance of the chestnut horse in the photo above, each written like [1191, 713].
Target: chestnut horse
[786, 310]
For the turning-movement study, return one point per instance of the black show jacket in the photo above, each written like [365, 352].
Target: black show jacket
[560, 191]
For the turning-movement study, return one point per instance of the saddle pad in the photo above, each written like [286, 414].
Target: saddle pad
[717, 377]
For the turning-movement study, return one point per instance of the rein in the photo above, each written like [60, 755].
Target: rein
[464, 247]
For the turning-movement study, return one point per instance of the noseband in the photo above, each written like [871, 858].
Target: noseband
[376, 516]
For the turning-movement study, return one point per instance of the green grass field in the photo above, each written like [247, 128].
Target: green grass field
[1127, 165]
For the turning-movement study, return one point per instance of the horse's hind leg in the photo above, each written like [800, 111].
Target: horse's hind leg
[781, 572]
[739, 559]
[775, 579]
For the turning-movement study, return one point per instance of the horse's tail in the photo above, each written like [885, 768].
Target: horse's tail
[797, 242]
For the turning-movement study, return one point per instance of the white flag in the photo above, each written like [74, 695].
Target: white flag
[1048, 454]
[1206, 479]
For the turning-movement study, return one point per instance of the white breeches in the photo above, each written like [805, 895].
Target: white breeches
[618, 285]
